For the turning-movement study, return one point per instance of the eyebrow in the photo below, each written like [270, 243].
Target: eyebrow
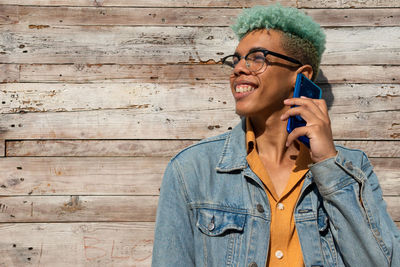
[251, 50]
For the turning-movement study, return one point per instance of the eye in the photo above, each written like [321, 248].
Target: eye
[256, 57]
[235, 60]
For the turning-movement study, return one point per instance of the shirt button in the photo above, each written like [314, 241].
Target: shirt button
[260, 208]
[211, 226]
[253, 264]
[280, 206]
[279, 254]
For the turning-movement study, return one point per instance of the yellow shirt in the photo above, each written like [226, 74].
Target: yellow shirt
[284, 247]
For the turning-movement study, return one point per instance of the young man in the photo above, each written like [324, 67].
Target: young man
[256, 196]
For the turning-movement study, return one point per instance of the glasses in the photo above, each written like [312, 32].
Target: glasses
[255, 59]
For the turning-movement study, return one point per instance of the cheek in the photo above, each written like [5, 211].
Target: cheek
[231, 80]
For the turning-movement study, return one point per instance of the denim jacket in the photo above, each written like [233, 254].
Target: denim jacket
[209, 211]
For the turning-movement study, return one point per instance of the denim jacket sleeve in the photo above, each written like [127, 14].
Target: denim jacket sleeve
[173, 241]
[361, 226]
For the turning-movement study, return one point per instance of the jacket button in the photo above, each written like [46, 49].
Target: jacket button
[260, 208]
[253, 264]
[211, 226]
[349, 165]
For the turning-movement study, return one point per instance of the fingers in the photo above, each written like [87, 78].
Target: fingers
[296, 133]
[309, 109]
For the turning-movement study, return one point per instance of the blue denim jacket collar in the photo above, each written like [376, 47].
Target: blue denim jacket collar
[234, 153]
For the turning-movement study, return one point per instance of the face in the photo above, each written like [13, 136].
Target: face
[262, 93]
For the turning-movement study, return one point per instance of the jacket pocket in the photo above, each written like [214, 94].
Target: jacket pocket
[221, 235]
[218, 222]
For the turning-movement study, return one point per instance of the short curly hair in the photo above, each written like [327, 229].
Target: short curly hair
[302, 37]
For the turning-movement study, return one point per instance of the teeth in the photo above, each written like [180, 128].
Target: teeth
[241, 88]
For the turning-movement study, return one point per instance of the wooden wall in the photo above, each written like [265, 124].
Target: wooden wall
[97, 95]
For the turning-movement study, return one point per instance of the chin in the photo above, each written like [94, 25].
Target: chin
[243, 112]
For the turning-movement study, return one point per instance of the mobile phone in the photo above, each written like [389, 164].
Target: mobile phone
[303, 87]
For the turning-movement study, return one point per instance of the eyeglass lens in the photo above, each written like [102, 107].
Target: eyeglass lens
[254, 61]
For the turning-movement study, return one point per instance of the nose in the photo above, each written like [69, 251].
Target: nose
[241, 67]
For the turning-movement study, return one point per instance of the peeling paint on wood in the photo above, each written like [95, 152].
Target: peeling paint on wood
[156, 45]
[217, 17]
[177, 74]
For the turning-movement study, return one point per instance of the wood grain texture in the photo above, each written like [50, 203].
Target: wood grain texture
[155, 148]
[9, 73]
[155, 98]
[2, 148]
[142, 97]
[76, 244]
[151, 3]
[100, 176]
[111, 148]
[176, 73]
[210, 3]
[78, 208]
[40, 15]
[156, 45]
[131, 109]
[192, 124]
[81, 176]
[375, 149]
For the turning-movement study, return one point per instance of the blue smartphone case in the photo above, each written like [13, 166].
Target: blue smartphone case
[303, 87]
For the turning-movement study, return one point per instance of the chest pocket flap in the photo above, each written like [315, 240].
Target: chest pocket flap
[217, 222]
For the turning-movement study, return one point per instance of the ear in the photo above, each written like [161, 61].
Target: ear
[306, 70]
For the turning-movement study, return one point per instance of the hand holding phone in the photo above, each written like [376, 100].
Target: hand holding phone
[303, 87]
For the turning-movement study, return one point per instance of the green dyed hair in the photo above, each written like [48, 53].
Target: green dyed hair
[302, 37]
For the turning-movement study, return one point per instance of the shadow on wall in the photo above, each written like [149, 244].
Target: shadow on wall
[326, 87]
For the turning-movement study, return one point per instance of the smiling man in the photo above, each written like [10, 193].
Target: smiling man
[256, 196]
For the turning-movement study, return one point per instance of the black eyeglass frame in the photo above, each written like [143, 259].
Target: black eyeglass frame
[265, 52]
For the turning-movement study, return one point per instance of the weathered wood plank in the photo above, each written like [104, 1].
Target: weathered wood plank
[154, 148]
[143, 97]
[81, 176]
[76, 244]
[129, 124]
[347, 3]
[78, 208]
[117, 175]
[9, 73]
[151, 3]
[210, 3]
[156, 45]
[179, 73]
[99, 208]
[189, 124]
[2, 147]
[113, 148]
[35, 15]
[9, 14]
[376, 149]
[155, 98]
[388, 174]
[393, 207]
[130, 110]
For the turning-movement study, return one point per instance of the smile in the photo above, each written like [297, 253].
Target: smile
[242, 88]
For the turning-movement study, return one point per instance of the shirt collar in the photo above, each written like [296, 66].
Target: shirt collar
[237, 145]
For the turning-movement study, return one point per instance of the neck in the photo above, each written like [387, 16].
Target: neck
[271, 136]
